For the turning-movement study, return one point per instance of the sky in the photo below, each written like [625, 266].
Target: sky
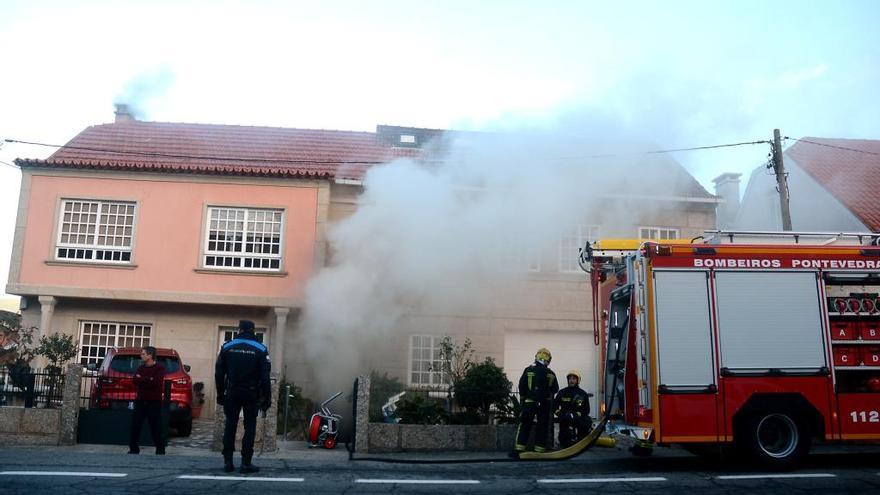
[676, 73]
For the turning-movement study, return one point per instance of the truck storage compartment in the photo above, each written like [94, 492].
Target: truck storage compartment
[871, 356]
[870, 330]
[845, 355]
[844, 330]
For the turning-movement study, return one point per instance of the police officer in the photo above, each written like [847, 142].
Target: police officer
[242, 379]
[573, 411]
[537, 386]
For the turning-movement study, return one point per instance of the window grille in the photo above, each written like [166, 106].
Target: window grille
[97, 336]
[570, 245]
[657, 233]
[426, 368]
[243, 239]
[95, 231]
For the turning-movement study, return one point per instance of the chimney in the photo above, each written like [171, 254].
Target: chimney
[123, 113]
[727, 188]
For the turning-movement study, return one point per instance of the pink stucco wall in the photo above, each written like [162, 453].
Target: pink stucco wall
[169, 234]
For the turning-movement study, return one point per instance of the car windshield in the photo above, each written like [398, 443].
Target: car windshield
[129, 364]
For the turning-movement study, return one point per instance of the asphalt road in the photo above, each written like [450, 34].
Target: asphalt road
[75, 470]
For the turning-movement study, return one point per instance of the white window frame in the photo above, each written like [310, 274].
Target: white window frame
[435, 374]
[232, 330]
[659, 233]
[569, 244]
[114, 334]
[211, 257]
[102, 242]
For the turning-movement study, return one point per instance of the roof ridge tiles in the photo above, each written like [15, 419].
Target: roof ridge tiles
[135, 123]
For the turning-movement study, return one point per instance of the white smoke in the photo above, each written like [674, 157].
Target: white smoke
[448, 234]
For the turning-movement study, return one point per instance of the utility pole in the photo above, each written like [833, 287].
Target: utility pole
[781, 180]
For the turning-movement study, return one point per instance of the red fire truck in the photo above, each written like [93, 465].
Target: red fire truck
[764, 341]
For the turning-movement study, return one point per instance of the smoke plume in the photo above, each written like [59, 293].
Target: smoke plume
[453, 233]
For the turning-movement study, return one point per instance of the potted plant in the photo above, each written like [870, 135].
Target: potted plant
[198, 399]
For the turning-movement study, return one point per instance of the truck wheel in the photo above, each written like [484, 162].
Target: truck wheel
[185, 429]
[777, 440]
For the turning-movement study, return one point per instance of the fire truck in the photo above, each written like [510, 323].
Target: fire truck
[763, 341]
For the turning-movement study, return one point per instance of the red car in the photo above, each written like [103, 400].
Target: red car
[114, 389]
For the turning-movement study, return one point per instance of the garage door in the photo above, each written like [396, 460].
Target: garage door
[571, 350]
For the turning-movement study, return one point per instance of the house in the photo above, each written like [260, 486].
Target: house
[832, 184]
[167, 234]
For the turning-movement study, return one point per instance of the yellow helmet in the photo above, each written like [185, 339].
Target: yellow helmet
[543, 354]
[573, 373]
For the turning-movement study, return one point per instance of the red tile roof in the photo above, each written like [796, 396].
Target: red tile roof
[853, 177]
[267, 151]
[224, 149]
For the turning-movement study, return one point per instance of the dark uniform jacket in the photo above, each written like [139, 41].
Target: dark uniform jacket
[242, 370]
[537, 384]
[572, 400]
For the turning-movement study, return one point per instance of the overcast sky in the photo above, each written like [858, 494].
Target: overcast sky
[676, 73]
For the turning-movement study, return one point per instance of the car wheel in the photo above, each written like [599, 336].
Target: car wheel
[777, 440]
[185, 429]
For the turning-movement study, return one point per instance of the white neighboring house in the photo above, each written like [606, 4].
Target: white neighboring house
[833, 186]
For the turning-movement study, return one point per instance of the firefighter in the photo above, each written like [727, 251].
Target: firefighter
[537, 386]
[242, 379]
[573, 411]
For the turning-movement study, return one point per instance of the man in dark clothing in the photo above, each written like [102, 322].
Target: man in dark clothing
[242, 379]
[537, 386]
[149, 380]
[573, 411]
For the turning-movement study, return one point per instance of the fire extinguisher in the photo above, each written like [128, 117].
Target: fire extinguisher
[854, 305]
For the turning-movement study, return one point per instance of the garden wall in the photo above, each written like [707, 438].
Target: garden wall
[389, 437]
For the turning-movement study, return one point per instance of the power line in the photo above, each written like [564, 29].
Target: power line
[157, 154]
[363, 162]
[834, 146]
[656, 152]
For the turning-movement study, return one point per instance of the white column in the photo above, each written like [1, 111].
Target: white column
[278, 340]
[47, 309]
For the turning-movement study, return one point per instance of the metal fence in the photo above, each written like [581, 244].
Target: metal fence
[444, 397]
[30, 387]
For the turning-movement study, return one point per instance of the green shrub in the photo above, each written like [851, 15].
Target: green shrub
[509, 411]
[466, 418]
[483, 386]
[301, 409]
[420, 411]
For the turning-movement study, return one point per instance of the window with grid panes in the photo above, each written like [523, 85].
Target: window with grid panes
[657, 233]
[228, 333]
[243, 239]
[426, 368]
[95, 337]
[571, 243]
[95, 231]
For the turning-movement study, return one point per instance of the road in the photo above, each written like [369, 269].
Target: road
[71, 470]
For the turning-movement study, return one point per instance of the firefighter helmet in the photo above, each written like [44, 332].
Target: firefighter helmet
[573, 373]
[543, 355]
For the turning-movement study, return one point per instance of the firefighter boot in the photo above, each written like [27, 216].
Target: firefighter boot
[246, 466]
[228, 466]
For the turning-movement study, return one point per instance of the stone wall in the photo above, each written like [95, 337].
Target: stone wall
[32, 426]
[384, 437]
[387, 437]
